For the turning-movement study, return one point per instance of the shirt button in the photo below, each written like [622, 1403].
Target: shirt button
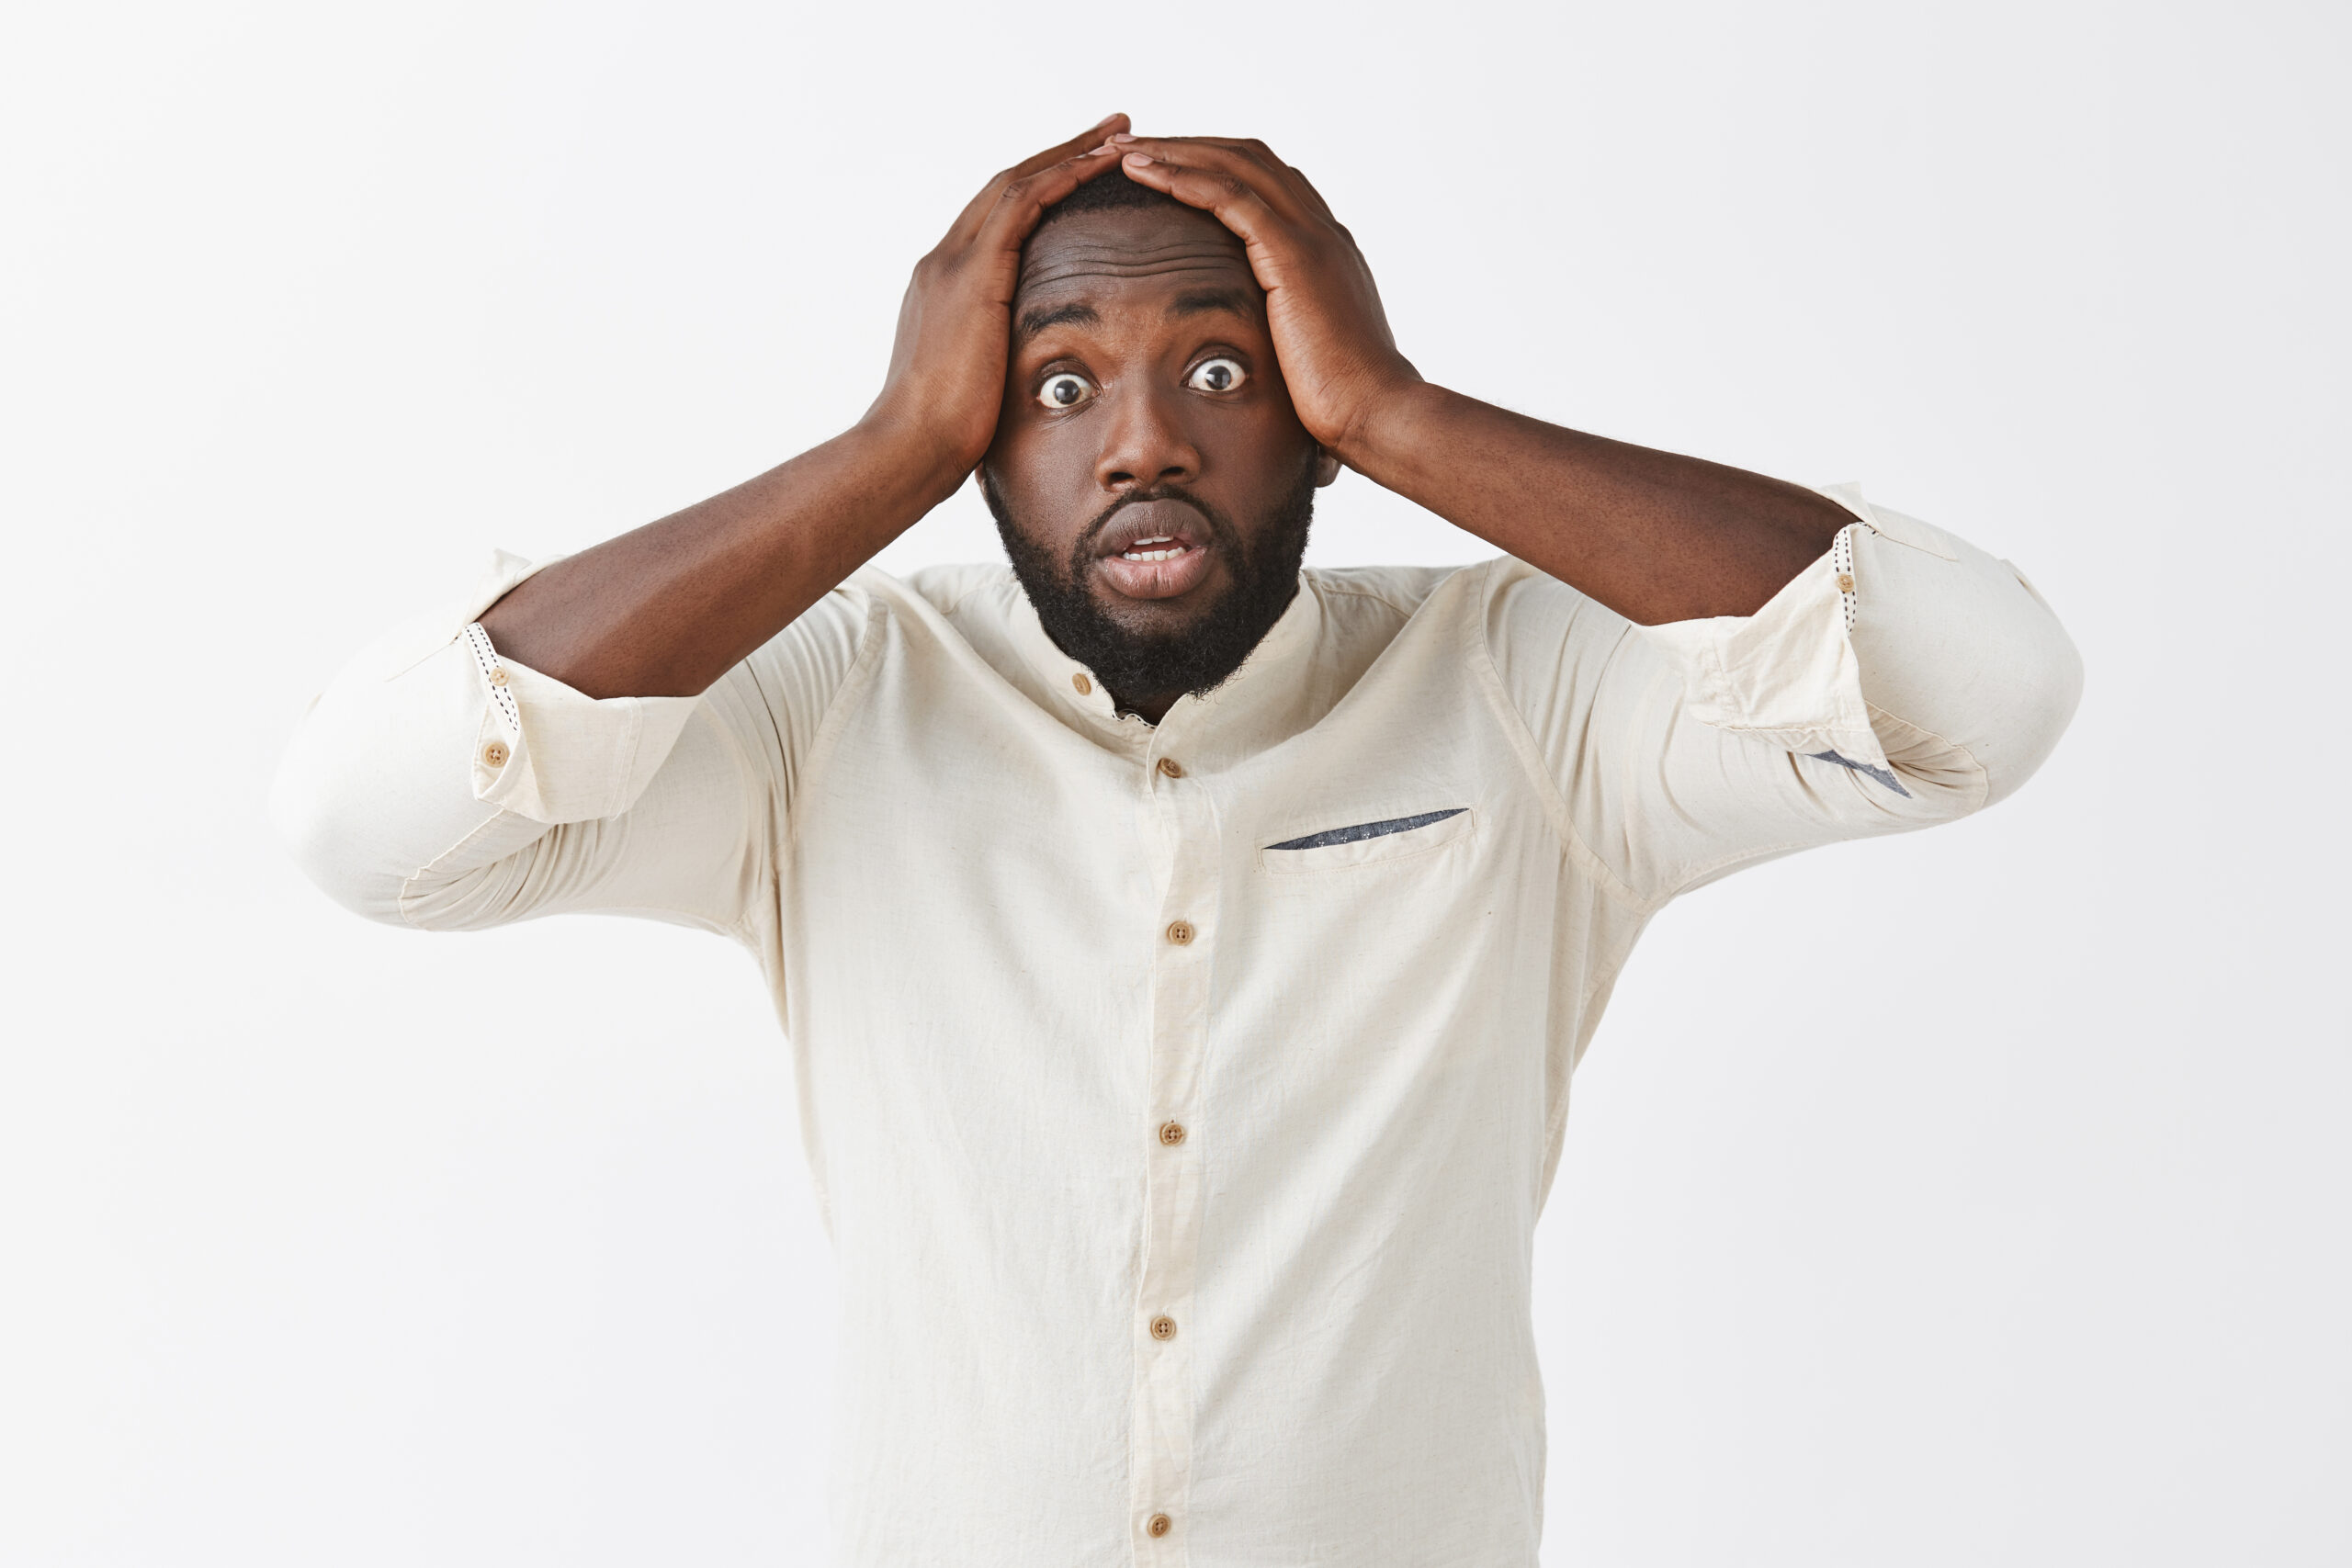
[1163, 1327]
[1180, 933]
[494, 753]
[1845, 582]
[498, 677]
[1159, 1523]
[1172, 767]
[1082, 684]
[1171, 1133]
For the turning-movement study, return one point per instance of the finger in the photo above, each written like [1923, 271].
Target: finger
[1268, 179]
[1315, 197]
[975, 212]
[1249, 147]
[1024, 200]
[1291, 174]
[1086, 141]
[1221, 192]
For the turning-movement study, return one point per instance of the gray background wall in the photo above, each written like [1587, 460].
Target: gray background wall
[1978, 1196]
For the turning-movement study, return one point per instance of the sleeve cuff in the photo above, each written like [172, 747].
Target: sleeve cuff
[546, 750]
[1786, 675]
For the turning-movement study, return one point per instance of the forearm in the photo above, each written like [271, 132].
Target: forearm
[666, 610]
[1653, 535]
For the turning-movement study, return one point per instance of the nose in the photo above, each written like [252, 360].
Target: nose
[1144, 442]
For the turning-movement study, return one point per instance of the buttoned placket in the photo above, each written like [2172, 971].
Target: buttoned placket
[1171, 1137]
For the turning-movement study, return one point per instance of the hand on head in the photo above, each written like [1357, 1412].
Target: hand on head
[947, 361]
[1322, 306]
[1152, 377]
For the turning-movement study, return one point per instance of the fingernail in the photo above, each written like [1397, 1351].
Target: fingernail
[1137, 159]
[1106, 147]
[1122, 136]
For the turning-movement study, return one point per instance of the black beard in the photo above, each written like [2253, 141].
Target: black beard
[1196, 659]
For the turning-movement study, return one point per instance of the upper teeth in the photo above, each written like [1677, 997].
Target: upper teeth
[1160, 547]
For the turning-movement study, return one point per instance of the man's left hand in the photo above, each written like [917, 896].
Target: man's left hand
[1322, 308]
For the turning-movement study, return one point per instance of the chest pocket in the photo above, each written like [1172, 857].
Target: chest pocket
[1363, 843]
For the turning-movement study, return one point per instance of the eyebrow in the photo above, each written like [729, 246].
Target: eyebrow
[1201, 301]
[1035, 320]
[1191, 302]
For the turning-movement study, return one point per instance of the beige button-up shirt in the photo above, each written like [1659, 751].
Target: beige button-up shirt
[1180, 1099]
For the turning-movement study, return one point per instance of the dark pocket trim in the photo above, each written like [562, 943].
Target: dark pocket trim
[1367, 830]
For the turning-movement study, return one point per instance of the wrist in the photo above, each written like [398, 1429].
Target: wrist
[912, 454]
[1382, 426]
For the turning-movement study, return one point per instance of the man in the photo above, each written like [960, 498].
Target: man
[1183, 955]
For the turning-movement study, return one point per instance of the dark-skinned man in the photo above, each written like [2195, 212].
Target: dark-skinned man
[1183, 954]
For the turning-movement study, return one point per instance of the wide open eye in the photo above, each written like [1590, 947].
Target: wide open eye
[1216, 376]
[1065, 389]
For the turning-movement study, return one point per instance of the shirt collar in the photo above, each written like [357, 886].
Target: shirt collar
[1264, 702]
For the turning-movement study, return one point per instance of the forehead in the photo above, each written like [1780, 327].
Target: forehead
[1135, 252]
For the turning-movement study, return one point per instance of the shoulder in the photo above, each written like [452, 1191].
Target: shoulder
[954, 592]
[966, 602]
[1518, 603]
[1504, 596]
[1391, 592]
[1365, 608]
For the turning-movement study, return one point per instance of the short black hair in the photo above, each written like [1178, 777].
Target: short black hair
[1110, 191]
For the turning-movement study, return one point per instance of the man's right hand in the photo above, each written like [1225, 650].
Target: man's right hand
[946, 376]
[666, 610]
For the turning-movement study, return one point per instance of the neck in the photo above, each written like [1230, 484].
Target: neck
[1151, 708]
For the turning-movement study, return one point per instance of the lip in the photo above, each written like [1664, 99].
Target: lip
[1178, 522]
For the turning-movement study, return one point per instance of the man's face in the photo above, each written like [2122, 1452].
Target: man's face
[1151, 479]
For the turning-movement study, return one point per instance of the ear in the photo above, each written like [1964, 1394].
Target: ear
[1327, 468]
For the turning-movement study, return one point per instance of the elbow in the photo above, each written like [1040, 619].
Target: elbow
[375, 796]
[2041, 678]
[2005, 708]
[1975, 672]
[319, 827]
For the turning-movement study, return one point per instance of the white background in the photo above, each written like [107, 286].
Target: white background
[1975, 1198]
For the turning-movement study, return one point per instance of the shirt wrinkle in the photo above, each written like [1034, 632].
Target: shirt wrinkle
[1183, 1202]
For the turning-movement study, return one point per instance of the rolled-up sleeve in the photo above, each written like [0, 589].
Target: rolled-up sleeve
[436, 784]
[1905, 678]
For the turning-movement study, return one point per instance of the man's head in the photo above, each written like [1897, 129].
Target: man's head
[1150, 480]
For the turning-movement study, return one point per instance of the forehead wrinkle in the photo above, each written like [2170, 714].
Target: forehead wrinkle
[1068, 264]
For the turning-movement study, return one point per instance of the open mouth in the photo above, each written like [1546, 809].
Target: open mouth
[1154, 549]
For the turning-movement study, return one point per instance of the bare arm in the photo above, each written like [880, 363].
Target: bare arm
[668, 608]
[1652, 535]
